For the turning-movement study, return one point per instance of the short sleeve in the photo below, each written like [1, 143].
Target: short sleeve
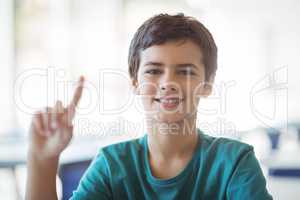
[95, 182]
[247, 180]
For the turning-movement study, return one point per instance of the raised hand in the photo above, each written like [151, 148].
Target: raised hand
[52, 128]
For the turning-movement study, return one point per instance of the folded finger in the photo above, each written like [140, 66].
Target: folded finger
[38, 122]
[46, 118]
[69, 115]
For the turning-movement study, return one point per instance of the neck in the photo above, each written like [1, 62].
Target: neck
[172, 140]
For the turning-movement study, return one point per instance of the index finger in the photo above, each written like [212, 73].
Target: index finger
[78, 92]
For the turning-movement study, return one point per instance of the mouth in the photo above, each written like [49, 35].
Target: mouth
[169, 102]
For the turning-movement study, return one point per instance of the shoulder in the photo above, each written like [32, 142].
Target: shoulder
[224, 149]
[228, 159]
[221, 143]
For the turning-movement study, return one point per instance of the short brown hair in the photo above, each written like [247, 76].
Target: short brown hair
[162, 28]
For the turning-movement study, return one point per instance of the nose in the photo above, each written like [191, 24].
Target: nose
[168, 87]
[168, 84]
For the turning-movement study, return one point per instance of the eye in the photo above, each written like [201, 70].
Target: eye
[187, 72]
[153, 71]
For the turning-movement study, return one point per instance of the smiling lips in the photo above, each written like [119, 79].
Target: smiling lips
[169, 102]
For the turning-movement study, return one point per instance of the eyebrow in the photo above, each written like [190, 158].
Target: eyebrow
[185, 65]
[157, 64]
[182, 65]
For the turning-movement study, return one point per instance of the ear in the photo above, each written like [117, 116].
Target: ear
[207, 90]
[134, 84]
[207, 87]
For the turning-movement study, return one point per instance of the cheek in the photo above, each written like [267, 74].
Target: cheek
[149, 90]
[192, 89]
[192, 94]
[147, 87]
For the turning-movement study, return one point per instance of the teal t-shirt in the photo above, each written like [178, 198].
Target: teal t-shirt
[219, 169]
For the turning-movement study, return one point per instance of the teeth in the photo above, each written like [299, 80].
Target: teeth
[170, 101]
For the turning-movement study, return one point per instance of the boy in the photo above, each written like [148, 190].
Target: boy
[172, 64]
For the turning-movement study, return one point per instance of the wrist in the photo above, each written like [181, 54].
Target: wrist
[36, 157]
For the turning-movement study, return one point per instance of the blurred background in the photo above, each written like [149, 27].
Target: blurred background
[46, 45]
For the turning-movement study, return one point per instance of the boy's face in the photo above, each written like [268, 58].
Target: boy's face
[170, 80]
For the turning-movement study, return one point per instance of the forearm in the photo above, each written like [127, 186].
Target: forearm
[41, 178]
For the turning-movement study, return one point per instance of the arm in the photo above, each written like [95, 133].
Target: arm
[50, 133]
[41, 180]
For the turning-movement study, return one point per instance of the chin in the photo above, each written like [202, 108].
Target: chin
[170, 118]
